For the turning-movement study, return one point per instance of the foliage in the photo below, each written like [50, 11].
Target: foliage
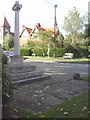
[73, 25]
[59, 52]
[8, 41]
[38, 51]
[4, 59]
[31, 44]
[77, 107]
[86, 78]
[87, 30]
[60, 39]
[45, 37]
[73, 22]
[7, 85]
[24, 51]
[78, 52]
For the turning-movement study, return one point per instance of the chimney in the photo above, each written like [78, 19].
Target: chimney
[38, 25]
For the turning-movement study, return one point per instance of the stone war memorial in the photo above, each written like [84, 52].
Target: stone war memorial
[19, 71]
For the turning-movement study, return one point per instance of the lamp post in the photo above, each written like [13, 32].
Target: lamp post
[55, 25]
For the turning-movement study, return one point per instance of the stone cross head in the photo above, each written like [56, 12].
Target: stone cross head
[17, 6]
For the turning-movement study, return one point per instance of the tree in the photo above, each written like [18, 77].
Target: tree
[60, 39]
[31, 44]
[8, 41]
[87, 30]
[45, 37]
[73, 25]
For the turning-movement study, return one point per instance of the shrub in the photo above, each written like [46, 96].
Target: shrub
[4, 59]
[78, 52]
[7, 85]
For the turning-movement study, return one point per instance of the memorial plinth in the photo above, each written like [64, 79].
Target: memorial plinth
[19, 71]
[16, 60]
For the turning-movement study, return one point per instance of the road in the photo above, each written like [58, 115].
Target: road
[61, 68]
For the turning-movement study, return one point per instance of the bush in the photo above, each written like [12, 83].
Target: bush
[4, 59]
[78, 52]
[25, 51]
[7, 85]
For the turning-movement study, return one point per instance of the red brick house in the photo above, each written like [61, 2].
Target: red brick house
[28, 33]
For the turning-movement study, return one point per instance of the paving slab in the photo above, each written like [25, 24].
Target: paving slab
[40, 96]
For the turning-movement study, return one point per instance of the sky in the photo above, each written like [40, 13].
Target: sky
[41, 11]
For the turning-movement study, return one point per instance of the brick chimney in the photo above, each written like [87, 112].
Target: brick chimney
[38, 25]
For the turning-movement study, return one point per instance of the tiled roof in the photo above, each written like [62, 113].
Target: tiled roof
[5, 23]
[28, 29]
[41, 29]
[38, 26]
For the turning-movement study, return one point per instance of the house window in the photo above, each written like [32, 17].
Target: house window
[24, 37]
[35, 38]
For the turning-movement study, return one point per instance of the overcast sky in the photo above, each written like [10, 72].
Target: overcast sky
[34, 11]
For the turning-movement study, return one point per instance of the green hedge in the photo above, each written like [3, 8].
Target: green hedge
[78, 52]
[25, 51]
[39, 52]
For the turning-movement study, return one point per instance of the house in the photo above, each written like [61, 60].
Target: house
[29, 33]
[4, 29]
[25, 35]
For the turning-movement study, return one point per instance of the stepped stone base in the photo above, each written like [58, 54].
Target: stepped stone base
[17, 59]
[31, 80]
[25, 73]
[15, 68]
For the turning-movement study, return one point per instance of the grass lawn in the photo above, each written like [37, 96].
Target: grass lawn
[43, 58]
[56, 59]
[80, 59]
[77, 107]
[86, 78]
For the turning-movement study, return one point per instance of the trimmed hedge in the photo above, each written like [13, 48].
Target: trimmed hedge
[78, 52]
[39, 52]
[25, 51]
